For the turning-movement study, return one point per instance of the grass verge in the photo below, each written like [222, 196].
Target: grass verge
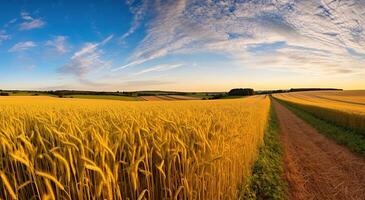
[344, 136]
[266, 180]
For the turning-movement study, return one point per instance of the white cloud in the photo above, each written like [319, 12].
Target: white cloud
[90, 47]
[317, 34]
[106, 40]
[25, 16]
[30, 22]
[139, 12]
[22, 46]
[87, 59]
[59, 43]
[159, 68]
[4, 36]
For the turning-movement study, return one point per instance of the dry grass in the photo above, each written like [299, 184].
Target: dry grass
[94, 149]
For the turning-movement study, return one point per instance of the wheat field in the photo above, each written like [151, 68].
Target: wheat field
[98, 149]
[345, 108]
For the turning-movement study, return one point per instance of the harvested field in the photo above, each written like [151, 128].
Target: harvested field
[167, 98]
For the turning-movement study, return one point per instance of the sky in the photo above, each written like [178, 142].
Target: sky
[181, 45]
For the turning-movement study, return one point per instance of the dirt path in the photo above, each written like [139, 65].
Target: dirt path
[316, 167]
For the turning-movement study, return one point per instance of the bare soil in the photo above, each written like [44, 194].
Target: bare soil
[315, 166]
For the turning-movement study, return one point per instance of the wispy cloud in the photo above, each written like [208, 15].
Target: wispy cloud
[315, 35]
[86, 59]
[138, 9]
[30, 22]
[12, 21]
[22, 46]
[159, 68]
[4, 36]
[59, 43]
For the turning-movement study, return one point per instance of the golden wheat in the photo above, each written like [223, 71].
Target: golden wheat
[93, 149]
[346, 108]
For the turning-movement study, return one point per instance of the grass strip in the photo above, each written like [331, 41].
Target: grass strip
[343, 136]
[266, 181]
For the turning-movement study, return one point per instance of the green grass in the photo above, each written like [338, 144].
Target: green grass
[266, 181]
[344, 136]
[109, 97]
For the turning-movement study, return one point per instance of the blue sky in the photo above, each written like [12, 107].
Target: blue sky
[187, 45]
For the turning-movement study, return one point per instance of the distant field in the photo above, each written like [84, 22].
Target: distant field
[355, 96]
[200, 95]
[118, 97]
[110, 97]
[180, 97]
[233, 97]
[183, 97]
[167, 98]
[28, 94]
[345, 108]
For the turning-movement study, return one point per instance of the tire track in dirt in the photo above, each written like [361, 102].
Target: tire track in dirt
[315, 166]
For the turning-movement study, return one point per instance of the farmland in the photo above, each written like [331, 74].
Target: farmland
[55, 148]
[167, 98]
[316, 166]
[110, 97]
[338, 115]
[164, 148]
[346, 109]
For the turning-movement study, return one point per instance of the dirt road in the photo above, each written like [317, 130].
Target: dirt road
[315, 166]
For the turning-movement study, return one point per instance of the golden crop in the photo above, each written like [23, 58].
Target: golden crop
[345, 108]
[100, 149]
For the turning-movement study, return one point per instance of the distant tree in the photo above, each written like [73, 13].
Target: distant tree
[4, 94]
[241, 92]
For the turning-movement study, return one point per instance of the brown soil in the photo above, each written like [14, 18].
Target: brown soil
[152, 98]
[315, 166]
[167, 98]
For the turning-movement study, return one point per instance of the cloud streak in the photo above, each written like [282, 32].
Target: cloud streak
[87, 59]
[30, 22]
[59, 43]
[316, 35]
[22, 46]
[4, 36]
[159, 68]
[138, 9]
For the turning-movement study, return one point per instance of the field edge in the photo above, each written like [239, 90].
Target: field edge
[266, 181]
[347, 137]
